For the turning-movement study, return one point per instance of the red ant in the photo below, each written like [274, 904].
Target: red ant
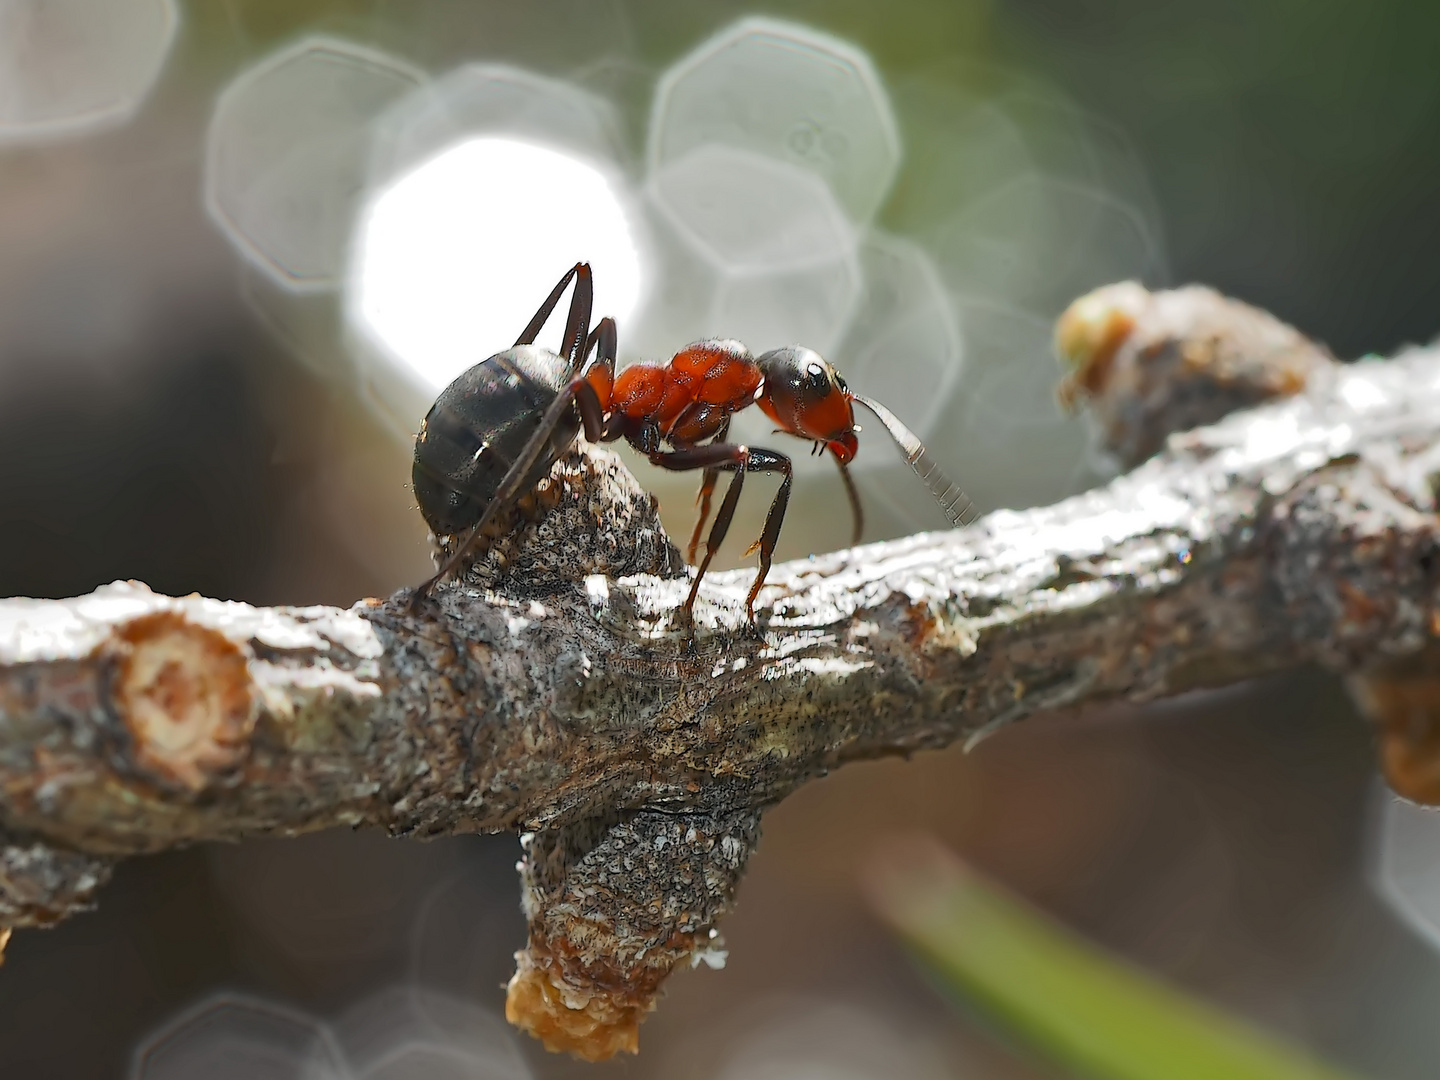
[495, 431]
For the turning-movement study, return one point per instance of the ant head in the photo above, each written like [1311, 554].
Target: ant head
[805, 396]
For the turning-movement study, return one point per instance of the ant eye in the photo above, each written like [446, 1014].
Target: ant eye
[817, 377]
[840, 382]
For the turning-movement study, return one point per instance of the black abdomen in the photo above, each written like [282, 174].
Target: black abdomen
[479, 426]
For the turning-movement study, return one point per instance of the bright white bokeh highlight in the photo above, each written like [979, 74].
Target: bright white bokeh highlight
[454, 258]
[287, 155]
[71, 67]
[237, 1037]
[788, 93]
[1406, 863]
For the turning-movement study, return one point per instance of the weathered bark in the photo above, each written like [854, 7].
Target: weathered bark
[556, 691]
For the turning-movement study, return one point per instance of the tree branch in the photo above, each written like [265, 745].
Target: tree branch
[555, 690]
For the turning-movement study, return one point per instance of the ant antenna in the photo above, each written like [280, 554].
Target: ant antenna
[956, 504]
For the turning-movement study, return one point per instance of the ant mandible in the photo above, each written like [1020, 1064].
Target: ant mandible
[495, 431]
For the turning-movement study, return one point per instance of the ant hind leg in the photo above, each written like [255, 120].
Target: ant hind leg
[577, 323]
[740, 460]
[702, 498]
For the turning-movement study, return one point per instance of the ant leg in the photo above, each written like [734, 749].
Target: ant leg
[577, 324]
[857, 512]
[711, 458]
[592, 412]
[604, 336]
[577, 392]
[769, 461]
[740, 459]
[600, 372]
[707, 489]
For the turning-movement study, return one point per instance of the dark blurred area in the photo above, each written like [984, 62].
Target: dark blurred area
[164, 417]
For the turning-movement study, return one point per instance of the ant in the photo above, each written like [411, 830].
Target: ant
[495, 431]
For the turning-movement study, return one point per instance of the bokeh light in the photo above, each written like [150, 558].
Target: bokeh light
[287, 154]
[238, 1037]
[494, 100]
[904, 345]
[918, 202]
[1039, 239]
[1405, 867]
[406, 1032]
[71, 67]
[788, 93]
[761, 244]
[462, 941]
[453, 258]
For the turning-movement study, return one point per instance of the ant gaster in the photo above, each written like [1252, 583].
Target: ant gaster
[495, 431]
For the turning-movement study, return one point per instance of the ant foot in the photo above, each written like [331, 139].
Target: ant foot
[417, 596]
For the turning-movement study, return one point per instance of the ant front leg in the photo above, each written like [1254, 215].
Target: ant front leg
[740, 460]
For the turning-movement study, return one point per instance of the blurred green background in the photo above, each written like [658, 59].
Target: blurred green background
[155, 425]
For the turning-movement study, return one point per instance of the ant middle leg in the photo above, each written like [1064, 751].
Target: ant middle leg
[740, 460]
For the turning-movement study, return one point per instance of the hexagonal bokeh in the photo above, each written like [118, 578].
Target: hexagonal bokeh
[287, 154]
[492, 99]
[1042, 240]
[1017, 447]
[785, 92]
[463, 939]
[306, 324]
[559, 36]
[409, 1033]
[1011, 383]
[904, 345]
[752, 248]
[234, 1037]
[1405, 862]
[69, 67]
[903, 348]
